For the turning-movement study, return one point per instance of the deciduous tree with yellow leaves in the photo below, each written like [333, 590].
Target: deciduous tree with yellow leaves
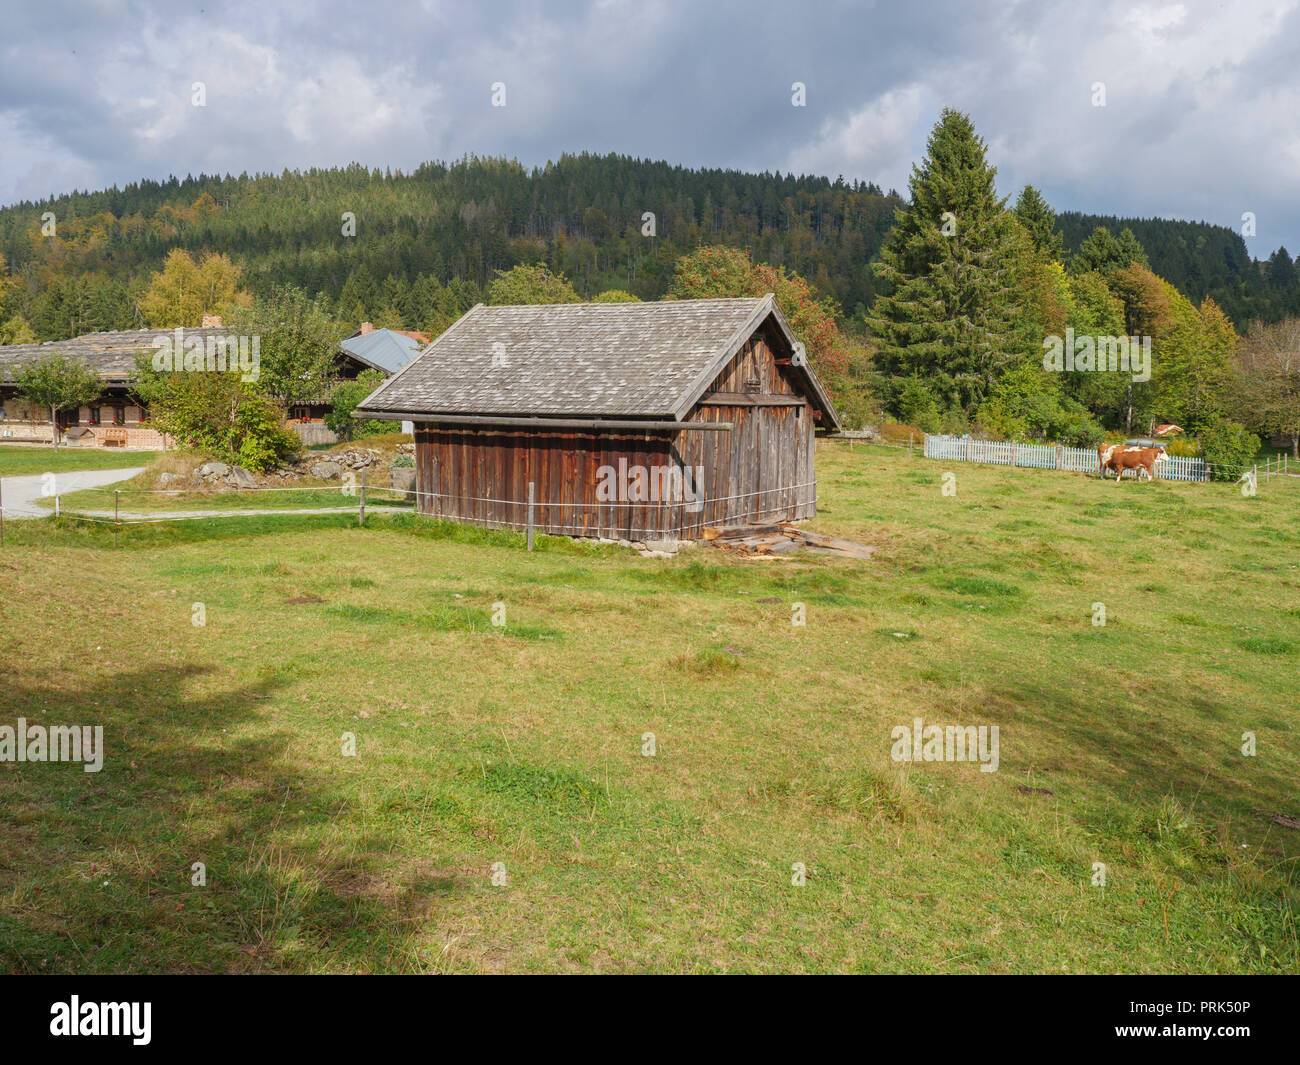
[184, 291]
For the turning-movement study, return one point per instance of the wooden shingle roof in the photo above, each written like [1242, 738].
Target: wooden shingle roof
[110, 355]
[604, 360]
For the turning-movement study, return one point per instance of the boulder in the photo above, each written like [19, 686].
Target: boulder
[242, 478]
[326, 471]
[354, 458]
[403, 480]
[166, 480]
[211, 470]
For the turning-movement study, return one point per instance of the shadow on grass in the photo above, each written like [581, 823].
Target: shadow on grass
[96, 869]
[1151, 754]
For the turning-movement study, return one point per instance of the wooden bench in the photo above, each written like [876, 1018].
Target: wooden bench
[115, 437]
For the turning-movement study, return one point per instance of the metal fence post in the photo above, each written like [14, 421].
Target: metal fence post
[117, 492]
[531, 487]
[361, 501]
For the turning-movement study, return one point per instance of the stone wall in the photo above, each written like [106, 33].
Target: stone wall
[137, 436]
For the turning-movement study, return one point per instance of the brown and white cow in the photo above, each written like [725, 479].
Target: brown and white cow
[1121, 457]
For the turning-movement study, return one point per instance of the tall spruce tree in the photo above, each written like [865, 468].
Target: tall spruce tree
[1105, 253]
[1281, 270]
[955, 314]
[1034, 213]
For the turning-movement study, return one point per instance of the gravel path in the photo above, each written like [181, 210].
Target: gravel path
[18, 495]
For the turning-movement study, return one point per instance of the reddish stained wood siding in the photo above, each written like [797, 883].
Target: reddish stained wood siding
[486, 474]
[760, 471]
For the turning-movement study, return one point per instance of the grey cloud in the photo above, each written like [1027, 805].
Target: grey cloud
[1200, 107]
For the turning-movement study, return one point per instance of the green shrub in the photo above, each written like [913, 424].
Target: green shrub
[345, 398]
[1229, 448]
[1080, 431]
[915, 404]
[215, 413]
[954, 422]
[1027, 405]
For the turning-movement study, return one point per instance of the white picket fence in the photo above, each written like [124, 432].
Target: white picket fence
[1048, 457]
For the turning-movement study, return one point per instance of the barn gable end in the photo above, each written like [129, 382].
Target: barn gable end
[762, 470]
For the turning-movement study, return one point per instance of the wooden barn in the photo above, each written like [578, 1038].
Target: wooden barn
[635, 421]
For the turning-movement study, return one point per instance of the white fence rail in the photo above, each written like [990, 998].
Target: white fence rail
[1049, 457]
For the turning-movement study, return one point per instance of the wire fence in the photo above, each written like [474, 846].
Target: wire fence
[661, 518]
[678, 517]
[120, 516]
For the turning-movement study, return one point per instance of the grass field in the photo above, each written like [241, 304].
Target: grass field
[21, 460]
[318, 495]
[523, 745]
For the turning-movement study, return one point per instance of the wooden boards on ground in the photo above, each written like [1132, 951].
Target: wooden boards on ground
[782, 541]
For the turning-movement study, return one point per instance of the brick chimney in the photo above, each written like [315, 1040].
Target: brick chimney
[366, 327]
[212, 321]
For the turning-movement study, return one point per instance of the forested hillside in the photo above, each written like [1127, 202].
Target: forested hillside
[1202, 260]
[585, 216]
[457, 224]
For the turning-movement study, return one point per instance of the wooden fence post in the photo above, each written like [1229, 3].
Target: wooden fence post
[117, 492]
[531, 488]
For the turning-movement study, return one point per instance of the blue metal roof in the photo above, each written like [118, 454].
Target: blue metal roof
[383, 349]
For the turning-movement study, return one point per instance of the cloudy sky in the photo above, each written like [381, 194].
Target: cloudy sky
[1199, 119]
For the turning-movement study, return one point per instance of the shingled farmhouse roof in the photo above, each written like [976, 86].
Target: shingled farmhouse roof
[602, 360]
[110, 355]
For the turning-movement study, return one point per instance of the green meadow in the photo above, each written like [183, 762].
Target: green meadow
[631, 771]
[20, 460]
